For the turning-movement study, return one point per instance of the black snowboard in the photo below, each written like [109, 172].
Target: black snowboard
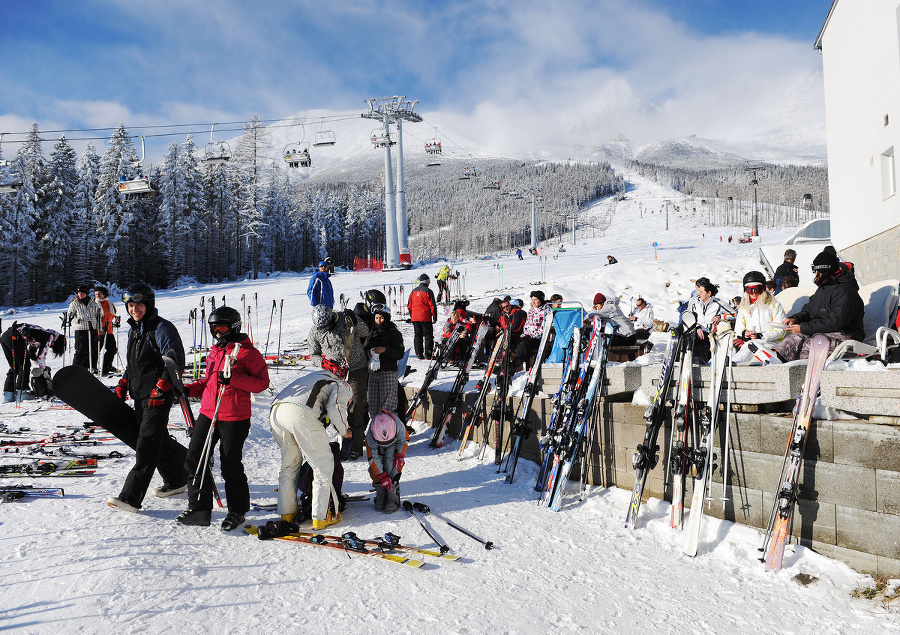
[77, 387]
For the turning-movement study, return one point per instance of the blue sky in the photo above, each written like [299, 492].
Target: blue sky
[499, 68]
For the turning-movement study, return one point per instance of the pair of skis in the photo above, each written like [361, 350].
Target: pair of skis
[79, 467]
[10, 493]
[457, 393]
[431, 374]
[477, 413]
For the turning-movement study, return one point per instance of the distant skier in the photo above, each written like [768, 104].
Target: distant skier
[519, 253]
[106, 338]
[85, 318]
[320, 290]
[443, 280]
[610, 260]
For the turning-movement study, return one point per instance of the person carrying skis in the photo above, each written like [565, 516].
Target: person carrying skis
[709, 310]
[226, 398]
[423, 314]
[105, 337]
[443, 281]
[386, 443]
[22, 344]
[757, 311]
[298, 419]
[835, 309]
[320, 290]
[384, 347]
[148, 383]
[335, 343]
[85, 317]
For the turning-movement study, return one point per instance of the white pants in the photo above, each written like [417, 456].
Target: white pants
[300, 435]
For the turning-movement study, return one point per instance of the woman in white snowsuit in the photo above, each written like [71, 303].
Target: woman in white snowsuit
[386, 443]
[299, 416]
[758, 309]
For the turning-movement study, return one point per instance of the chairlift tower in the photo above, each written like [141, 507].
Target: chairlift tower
[755, 183]
[390, 110]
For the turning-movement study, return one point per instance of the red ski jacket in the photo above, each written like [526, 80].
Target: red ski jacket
[421, 305]
[249, 373]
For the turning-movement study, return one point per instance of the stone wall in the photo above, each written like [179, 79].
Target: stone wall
[875, 259]
[849, 506]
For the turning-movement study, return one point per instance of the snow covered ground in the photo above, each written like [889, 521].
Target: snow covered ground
[74, 564]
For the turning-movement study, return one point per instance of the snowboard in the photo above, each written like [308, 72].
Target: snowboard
[91, 397]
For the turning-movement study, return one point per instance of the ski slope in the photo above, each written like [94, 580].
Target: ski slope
[75, 565]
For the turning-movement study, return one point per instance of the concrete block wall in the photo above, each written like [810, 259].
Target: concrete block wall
[875, 259]
[849, 506]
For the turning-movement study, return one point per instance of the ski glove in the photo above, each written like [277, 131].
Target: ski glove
[385, 481]
[224, 379]
[399, 462]
[122, 389]
[158, 395]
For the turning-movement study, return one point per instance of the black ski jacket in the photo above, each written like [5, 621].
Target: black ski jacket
[834, 307]
[148, 341]
[388, 336]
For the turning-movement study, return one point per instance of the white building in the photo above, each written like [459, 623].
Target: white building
[860, 45]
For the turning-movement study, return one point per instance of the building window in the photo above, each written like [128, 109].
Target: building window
[888, 174]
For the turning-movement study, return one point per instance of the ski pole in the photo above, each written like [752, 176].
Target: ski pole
[280, 316]
[725, 448]
[269, 334]
[249, 323]
[422, 507]
[409, 507]
[206, 455]
[256, 309]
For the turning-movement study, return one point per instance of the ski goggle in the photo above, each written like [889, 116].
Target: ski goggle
[140, 298]
[219, 329]
[754, 289]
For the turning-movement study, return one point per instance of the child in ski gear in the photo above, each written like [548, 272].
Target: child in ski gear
[758, 309]
[320, 290]
[225, 397]
[709, 310]
[385, 348]
[423, 314]
[85, 318]
[22, 344]
[835, 309]
[105, 337]
[147, 381]
[610, 312]
[299, 416]
[386, 443]
[335, 343]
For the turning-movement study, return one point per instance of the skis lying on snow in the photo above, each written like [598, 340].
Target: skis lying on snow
[271, 507]
[82, 467]
[457, 393]
[789, 482]
[348, 546]
[703, 457]
[647, 454]
[9, 493]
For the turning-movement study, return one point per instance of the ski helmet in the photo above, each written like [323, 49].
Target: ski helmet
[141, 294]
[322, 315]
[373, 297]
[225, 324]
[384, 428]
[754, 277]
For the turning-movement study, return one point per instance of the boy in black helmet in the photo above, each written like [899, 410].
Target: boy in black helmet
[148, 383]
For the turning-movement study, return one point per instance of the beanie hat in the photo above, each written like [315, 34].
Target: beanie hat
[507, 298]
[518, 303]
[424, 278]
[323, 264]
[321, 315]
[827, 261]
[599, 298]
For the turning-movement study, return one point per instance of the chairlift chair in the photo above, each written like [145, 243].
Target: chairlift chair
[433, 146]
[467, 174]
[139, 187]
[216, 151]
[9, 188]
[493, 185]
[381, 140]
[324, 138]
[296, 155]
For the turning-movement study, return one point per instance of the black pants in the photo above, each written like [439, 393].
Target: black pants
[109, 352]
[232, 435]
[19, 364]
[443, 290]
[86, 349]
[359, 407]
[423, 339]
[153, 431]
[526, 347]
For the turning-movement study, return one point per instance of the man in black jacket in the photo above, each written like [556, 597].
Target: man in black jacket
[787, 268]
[149, 384]
[834, 310]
